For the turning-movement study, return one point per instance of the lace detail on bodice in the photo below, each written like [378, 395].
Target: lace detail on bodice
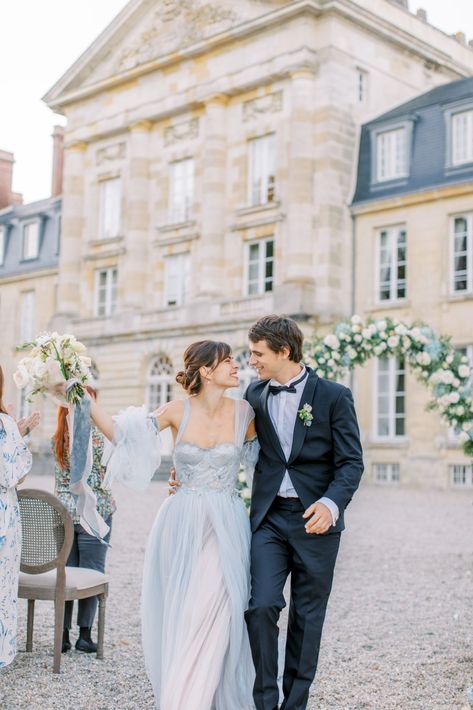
[215, 469]
[207, 470]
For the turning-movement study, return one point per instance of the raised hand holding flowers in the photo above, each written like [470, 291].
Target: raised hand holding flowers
[52, 360]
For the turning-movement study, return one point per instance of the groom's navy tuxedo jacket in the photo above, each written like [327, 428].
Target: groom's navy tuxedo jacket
[326, 457]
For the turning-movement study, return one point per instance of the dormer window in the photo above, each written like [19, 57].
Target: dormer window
[461, 137]
[31, 240]
[391, 154]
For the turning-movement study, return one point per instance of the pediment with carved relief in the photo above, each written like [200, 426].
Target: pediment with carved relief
[149, 29]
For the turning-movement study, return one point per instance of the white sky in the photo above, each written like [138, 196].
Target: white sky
[42, 38]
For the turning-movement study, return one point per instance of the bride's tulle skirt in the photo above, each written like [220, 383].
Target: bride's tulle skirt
[195, 592]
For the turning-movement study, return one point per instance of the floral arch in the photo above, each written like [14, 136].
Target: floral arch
[433, 360]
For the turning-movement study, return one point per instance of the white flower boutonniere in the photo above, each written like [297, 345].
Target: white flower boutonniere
[306, 415]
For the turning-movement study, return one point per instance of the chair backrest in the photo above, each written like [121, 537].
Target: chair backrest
[47, 531]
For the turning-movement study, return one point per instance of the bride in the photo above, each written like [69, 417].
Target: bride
[196, 569]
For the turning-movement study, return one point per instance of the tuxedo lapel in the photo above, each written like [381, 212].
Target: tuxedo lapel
[300, 430]
[271, 431]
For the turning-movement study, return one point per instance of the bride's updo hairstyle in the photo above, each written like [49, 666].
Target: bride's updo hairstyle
[204, 353]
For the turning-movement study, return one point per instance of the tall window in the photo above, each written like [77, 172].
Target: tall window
[31, 240]
[391, 154]
[461, 475]
[160, 381]
[262, 170]
[361, 86]
[181, 190]
[462, 253]
[27, 316]
[58, 233]
[2, 245]
[259, 266]
[390, 397]
[24, 406]
[246, 373]
[106, 291]
[386, 472]
[110, 207]
[392, 264]
[177, 279]
[462, 137]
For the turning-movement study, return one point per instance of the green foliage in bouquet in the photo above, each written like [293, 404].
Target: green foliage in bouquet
[52, 360]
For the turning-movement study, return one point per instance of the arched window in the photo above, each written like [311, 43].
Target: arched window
[160, 379]
[159, 382]
[246, 373]
[94, 374]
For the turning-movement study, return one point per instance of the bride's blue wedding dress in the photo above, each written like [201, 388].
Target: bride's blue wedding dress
[196, 569]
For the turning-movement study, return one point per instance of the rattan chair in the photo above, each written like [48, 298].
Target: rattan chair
[48, 532]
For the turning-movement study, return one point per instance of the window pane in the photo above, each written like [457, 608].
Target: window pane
[261, 170]
[177, 279]
[462, 246]
[399, 427]
[27, 316]
[30, 240]
[2, 246]
[462, 137]
[110, 207]
[181, 190]
[391, 154]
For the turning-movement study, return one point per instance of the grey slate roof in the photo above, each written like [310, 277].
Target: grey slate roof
[48, 214]
[428, 151]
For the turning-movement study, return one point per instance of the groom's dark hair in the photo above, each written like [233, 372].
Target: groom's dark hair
[279, 332]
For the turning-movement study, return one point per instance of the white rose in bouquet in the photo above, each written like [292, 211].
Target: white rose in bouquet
[21, 377]
[53, 359]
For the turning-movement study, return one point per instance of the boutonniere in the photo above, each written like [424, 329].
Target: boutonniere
[305, 414]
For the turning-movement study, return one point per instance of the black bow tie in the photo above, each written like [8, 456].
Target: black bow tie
[276, 389]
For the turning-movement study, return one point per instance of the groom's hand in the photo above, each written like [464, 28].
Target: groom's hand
[172, 483]
[320, 519]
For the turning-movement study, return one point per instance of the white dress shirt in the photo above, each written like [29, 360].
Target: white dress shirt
[283, 408]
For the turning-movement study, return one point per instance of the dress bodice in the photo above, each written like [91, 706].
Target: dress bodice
[207, 469]
[212, 469]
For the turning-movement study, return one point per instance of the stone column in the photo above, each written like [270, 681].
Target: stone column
[211, 254]
[72, 230]
[296, 289]
[135, 266]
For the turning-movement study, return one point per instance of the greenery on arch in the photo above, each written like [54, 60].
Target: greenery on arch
[432, 359]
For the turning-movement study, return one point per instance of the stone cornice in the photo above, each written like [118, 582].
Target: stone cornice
[59, 96]
[20, 276]
[430, 194]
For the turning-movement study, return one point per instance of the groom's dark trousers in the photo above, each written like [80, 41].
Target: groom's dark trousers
[325, 460]
[281, 546]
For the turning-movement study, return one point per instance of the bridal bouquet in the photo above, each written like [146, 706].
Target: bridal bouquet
[53, 359]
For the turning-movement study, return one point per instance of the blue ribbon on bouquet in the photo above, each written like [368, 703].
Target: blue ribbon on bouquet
[81, 458]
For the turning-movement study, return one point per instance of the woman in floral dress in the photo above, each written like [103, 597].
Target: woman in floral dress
[87, 550]
[15, 462]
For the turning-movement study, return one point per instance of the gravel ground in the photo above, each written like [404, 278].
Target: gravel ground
[398, 634]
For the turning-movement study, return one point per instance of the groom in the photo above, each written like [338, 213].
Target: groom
[309, 467]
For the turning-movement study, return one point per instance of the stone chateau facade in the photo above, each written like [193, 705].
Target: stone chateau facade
[210, 158]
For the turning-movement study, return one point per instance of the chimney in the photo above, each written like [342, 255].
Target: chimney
[6, 176]
[460, 37]
[58, 160]
[422, 14]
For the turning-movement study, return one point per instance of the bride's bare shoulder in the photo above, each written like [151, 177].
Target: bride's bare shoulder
[171, 411]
